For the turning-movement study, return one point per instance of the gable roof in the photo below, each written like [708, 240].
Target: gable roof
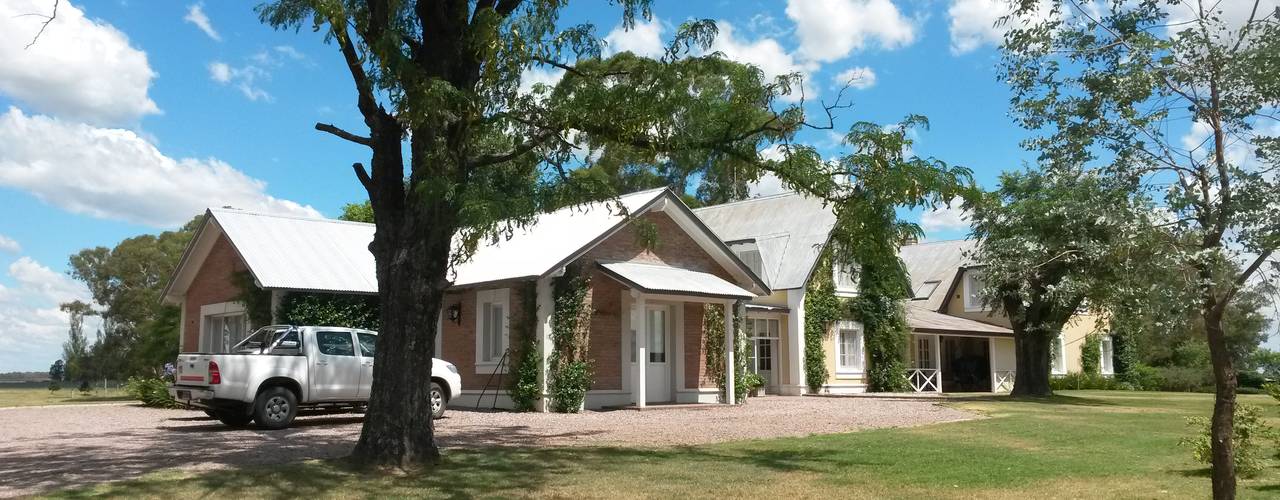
[296, 253]
[937, 263]
[922, 320]
[789, 229]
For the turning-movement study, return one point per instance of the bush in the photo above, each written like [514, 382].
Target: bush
[1249, 426]
[1144, 378]
[752, 381]
[54, 386]
[1185, 379]
[569, 387]
[151, 391]
[1091, 354]
[524, 388]
[1086, 381]
[1250, 379]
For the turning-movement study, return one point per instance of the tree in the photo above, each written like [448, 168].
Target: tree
[139, 333]
[458, 149]
[1047, 242]
[57, 371]
[357, 212]
[76, 349]
[1181, 97]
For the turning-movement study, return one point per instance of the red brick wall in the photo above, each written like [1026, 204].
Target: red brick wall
[695, 359]
[606, 331]
[674, 248]
[458, 345]
[213, 284]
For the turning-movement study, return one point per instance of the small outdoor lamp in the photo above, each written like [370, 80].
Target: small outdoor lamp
[455, 313]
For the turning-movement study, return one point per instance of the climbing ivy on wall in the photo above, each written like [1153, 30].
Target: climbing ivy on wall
[1091, 353]
[256, 301]
[884, 324]
[821, 309]
[330, 309]
[524, 389]
[571, 370]
[713, 349]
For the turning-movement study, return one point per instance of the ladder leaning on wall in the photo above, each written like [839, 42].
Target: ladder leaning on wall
[497, 372]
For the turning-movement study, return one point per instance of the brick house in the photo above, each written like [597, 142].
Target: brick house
[647, 300]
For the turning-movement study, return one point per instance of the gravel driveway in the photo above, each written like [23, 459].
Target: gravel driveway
[46, 448]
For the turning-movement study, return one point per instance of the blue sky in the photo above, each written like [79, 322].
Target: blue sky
[129, 117]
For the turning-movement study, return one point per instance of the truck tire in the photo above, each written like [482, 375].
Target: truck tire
[233, 418]
[275, 407]
[438, 401]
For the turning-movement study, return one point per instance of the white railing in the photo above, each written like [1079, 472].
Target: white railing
[1002, 380]
[925, 379]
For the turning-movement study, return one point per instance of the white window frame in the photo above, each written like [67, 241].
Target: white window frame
[973, 301]
[502, 297]
[221, 309]
[1106, 360]
[861, 363]
[1058, 364]
[844, 289]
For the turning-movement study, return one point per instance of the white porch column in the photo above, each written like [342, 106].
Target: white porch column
[937, 359]
[542, 334]
[639, 331]
[277, 296]
[991, 361]
[795, 343]
[729, 364]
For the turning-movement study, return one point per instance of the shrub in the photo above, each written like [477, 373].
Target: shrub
[1248, 428]
[570, 390]
[1185, 379]
[752, 381]
[54, 386]
[1144, 378]
[151, 391]
[1091, 354]
[1084, 381]
[1250, 379]
[524, 389]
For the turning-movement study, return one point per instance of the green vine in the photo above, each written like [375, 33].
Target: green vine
[821, 309]
[524, 389]
[571, 370]
[256, 301]
[884, 324]
[330, 309]
[713, 335]
[1091, 354]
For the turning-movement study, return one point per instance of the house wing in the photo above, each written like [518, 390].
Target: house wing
[934, 270]
[790, 230]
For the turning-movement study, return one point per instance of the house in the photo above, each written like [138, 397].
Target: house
[956, 345]
[646, 299]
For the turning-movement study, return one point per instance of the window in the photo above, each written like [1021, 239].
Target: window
[657, 327]
[848, 347]
[1107, 367]
[845, 278]
[224, 331]
[1059, 357]
[335, 343]
[973, 291]
[923, 353]
[492, 309]
[925, 290]
[368, 344]
[761, 328]
[763, 355]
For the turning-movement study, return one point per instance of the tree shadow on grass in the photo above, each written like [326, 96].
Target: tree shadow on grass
[1055, 400]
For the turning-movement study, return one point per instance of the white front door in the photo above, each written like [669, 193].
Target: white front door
[762, 361]
[657, 382]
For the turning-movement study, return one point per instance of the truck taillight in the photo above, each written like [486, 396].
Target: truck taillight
[215, 376]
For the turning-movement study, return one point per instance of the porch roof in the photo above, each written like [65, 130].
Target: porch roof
[925, 321]
[656, 278]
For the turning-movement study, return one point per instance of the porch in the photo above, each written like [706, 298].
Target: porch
[960, 363]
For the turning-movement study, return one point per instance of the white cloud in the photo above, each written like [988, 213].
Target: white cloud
[768, 184]
[80, 68]
[860, 77]
[973, 23]
[830, 30]
[8, 244]
[116, 174]
[946, 218]
[643, 39]
[289, 51]
[243, 78]
[764, 53]
[545, 75]
[32, 328]
[195, 15]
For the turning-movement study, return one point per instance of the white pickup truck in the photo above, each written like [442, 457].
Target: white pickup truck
[278, 369]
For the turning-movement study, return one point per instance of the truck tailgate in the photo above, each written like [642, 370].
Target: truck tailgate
[192, 369]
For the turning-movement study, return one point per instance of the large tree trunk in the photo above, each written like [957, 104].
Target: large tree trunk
[1032, 363]
[1224, 405]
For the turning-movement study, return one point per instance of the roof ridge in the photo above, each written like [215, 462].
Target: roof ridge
[749, 200]
[238, 211]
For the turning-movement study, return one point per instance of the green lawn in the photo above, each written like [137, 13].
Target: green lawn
[33, 394]
[1077, 445]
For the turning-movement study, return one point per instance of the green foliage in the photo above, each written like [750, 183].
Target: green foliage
[879, 307]
[527, 360]
[57, 371]
[330, 309]
[256, 301]
[1268, 362]
[571, 370]
[1249, 428]
[1091, 354]
[358, 212]
[151, 391]
[76, 349]
[752, 381]
[821, 309]
[713, 335]
[1124, 355]
[1080, 381]
[55, 386]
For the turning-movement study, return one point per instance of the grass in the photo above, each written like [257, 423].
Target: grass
[38, 394]
[1081, 444]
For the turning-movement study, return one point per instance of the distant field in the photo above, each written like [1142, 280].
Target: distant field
[38, 394]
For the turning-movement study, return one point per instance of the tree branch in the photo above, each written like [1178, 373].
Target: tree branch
[47, 19]
[325, 127]
[363, 176]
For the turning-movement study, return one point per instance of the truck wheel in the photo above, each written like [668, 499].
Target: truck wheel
[275, 408]
[438, 401]
[233, 418]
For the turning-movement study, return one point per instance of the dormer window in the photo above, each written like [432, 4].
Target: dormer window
[845, 279]
[973, 285]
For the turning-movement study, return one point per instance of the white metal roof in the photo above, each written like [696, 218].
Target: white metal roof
[295, 253]
[790, 230]
[926, 321]
[938, 261]
[656, 278]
